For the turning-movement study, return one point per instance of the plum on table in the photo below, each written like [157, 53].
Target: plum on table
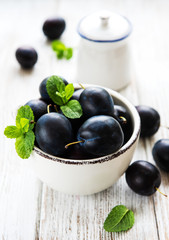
[54, 27]
[150, 120]
[143, 178]
[161, 154]
[26, 56]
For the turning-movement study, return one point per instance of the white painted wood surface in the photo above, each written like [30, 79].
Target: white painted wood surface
[28, 208]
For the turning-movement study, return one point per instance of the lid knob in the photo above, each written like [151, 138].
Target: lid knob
[104, 16]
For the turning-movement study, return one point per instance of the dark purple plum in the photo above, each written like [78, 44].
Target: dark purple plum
[96, 101]
[150, 120]
[26, 56]
[76, 94]
[75, 122]
[161, 154]
[53, 131]
[43, 90]
[121, 112]
[143, 177]
[54, 27]
[38, 107]
[76, 152]
[101, 135]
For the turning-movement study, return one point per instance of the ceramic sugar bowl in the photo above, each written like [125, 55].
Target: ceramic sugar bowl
[104, 52]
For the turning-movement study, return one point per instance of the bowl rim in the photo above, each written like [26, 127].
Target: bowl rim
[123, 149]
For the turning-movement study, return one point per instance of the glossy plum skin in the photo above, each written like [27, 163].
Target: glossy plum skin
[38, 107]
[143, 177]
[54, 27]
[161, 154]
[127, 127]
[96, 101]
[150, 120]
[26, 56]
[101, 134]
[77, 93]
[43, 90]
[53, 131]
[76, 152]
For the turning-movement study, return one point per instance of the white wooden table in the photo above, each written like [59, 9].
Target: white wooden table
[28, 208]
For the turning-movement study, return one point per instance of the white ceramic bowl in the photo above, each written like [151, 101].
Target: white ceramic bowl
[88, 176]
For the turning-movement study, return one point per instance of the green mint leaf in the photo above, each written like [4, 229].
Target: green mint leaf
[61, 50]
[119, 219]
[58, 46]
[24, 144]
[55, 86]
[69, 90]
[62, 96]
[60, 54]
[25, 112]
[24, 123]
[72, 109]
[68, 53]
[12, 132]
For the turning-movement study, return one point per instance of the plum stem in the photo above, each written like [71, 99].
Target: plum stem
[161, 192]
[48, 108]
[32, 121]
[56, 108]
[124, 119]
[72, 143]
[81, 86]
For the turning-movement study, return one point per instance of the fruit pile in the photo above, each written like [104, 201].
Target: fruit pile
[96, 130]
[143, 177]
[80, 124]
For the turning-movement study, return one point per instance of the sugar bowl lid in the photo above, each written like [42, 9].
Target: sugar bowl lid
[104, 26]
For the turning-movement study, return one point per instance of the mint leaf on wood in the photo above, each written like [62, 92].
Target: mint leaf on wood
[58, 46]
[119, 219]
[25, 112]
[68, 53]
[12, 132]
[61, 50]
[72, 109]
[24, 144]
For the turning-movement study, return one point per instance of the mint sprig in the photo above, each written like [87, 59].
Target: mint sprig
[61, 94]
[23, 133]
[119, 219]
[61, 50]
[72, 109]
[24, 144]
[27, 113]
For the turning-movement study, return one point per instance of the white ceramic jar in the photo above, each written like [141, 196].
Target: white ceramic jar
[104, 51]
